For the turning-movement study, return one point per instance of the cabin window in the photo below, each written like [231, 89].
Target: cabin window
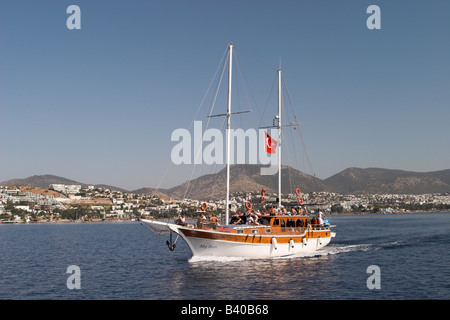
[265, 221]
[268, 230]
[276, 222]
[290, 223]
[239, 231]
[255, 231]
[299, 223]
[282, 223]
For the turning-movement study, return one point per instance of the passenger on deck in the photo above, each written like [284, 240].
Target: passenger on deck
[243, 218]
[235, 219]
[320, 218]
[214, 218]
[214, 221]
[293, 211]
[181, 221]
[201, 219]
[254, 219]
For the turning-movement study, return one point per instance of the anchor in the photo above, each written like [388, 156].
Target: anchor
[171, 244]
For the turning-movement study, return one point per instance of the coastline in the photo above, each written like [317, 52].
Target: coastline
[137, 220]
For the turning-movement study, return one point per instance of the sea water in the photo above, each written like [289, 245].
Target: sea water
[126, 261]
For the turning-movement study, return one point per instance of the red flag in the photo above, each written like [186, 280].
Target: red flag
[269, 143]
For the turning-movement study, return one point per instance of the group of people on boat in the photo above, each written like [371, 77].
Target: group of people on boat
[275, 210]
[250, 217]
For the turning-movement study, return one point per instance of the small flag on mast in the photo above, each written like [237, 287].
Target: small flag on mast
[269, 143]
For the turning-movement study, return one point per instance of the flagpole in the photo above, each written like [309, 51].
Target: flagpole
[227, 201]
[279, 138]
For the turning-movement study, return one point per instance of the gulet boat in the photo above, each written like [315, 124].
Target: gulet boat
[275, 235]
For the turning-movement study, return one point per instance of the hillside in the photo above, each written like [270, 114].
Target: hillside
[161, 193]
[377, 180]
[39, 181]
[43, 181]
[247, 178]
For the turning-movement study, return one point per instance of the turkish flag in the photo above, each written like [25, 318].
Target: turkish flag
[269, 143]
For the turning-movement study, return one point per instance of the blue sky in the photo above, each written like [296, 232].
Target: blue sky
[98, 105]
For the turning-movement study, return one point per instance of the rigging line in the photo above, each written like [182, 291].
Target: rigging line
[238, 104]
[289, 171]
[268, 98]
[222, 127]
[209, 87]
[163, 177]
[245, 85]
[214, 165]
[195, 116]
[286, 143]
[287, 148]
[298, 129]
[207, 124]
[286, 118]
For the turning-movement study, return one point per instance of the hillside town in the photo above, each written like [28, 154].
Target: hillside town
[74, 203]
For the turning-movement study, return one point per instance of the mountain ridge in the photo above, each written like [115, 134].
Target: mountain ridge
[44, 180]
[247, 178]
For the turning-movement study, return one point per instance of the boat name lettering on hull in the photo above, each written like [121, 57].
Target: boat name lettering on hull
[207, 246]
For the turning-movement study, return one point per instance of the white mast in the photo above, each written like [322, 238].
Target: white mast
[228, 132]
[279, 138]
[228, 114]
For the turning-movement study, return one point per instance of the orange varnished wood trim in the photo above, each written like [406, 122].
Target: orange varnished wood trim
[253, 238]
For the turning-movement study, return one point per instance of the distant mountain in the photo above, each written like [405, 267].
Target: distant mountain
[377, 180]
[39, 181]
[159, 193]
[246, 178]
[43, 181]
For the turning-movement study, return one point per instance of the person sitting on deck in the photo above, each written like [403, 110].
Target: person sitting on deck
[201, 219]
[235, 219]
[181, 221]
[320, 218]
[214, 221]
[253, 220]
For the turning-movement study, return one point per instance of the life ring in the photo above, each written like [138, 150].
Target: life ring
[263, 192]
[261, 200]
[300, 201]
[298, 192]
[248, 205]
[204, 207]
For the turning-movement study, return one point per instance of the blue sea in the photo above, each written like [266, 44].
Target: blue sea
[126, 261]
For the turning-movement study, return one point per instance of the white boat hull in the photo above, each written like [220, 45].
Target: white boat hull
[203, 245]
[209, 247]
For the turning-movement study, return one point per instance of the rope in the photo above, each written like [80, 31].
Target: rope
[207, 123]
[192, 122]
